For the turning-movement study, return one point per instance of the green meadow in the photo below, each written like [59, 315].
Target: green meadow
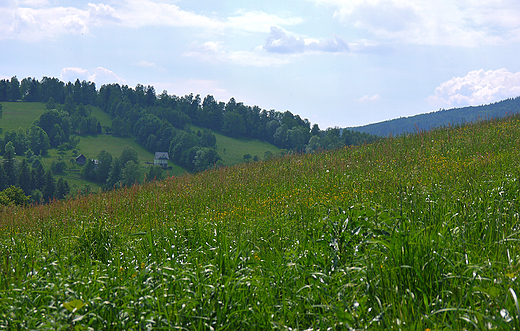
[20, 115]
[416, 232]
[232, 150]
[90, 146]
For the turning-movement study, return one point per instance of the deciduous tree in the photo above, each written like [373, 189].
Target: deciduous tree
[130, 174]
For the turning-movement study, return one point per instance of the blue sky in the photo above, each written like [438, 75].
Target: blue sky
[335, 62]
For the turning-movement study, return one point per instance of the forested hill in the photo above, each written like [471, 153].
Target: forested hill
[441, 118]
[162, 122]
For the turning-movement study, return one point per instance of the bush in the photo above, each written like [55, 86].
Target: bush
[13, 196]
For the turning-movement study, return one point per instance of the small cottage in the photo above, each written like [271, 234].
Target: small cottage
[81, 159]
[161, 159]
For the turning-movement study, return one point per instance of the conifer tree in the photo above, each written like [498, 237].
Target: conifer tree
[3, 178]
[9, 164]
[62, 188]
[38, 175]
[24, 178]
[50, 186]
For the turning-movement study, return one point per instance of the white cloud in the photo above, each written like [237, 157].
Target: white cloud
[104, 76]
[34, 3]
[146, 64]
[441, 22]
[258, 21]
[72, 73]
[279, 41]
[33, 24]
[139, 13]
[97, 75]
[100, 13]
[279, 49]
[476, 88]
[214, 52]
[36, 19]
[369, 98]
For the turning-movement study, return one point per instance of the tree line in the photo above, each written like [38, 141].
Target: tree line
[27, 178]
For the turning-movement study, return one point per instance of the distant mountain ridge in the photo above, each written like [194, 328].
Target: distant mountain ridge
[441, 117]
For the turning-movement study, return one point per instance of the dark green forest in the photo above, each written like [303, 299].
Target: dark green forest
[442, 117]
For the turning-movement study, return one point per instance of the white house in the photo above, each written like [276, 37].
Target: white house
[161, 159]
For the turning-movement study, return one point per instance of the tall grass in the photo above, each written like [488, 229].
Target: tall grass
[415, 232]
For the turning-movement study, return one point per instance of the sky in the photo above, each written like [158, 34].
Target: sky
[338, 63]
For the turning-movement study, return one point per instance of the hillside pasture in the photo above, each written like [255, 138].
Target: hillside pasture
[232, 150]
[90, 146]
[102, 117]
[20, 115]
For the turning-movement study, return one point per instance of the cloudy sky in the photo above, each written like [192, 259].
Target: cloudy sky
[335, 62]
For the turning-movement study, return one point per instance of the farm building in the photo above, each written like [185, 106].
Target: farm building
[81, 159]
[161, 159]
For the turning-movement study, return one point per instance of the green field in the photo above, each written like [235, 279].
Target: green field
[90, 146]
[232, 150]
[417, 232]
[20, 114]
[101, 116]
[23, 114]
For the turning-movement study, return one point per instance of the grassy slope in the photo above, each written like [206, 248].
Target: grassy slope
[20, 115]
[23, 114]
[101, 116]
[232, 150]
[90, 146]
[417, 232]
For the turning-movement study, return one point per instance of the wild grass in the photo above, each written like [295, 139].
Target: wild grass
[415, 232]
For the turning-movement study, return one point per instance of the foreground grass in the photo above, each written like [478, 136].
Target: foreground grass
[417, 232]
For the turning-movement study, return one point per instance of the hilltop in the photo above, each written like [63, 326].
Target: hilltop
[442, 117]
[415, 232]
